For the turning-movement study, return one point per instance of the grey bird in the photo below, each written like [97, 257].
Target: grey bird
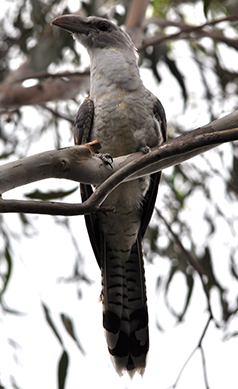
[125, 117]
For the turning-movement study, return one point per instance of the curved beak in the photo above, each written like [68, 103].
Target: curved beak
[72, 23]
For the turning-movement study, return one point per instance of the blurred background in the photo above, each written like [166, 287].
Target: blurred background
[51, 333]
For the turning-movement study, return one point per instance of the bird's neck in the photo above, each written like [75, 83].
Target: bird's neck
[112, 69]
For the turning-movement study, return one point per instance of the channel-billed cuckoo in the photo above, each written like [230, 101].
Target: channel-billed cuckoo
[125, 117]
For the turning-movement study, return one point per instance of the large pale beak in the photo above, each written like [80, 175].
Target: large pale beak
[72, 23]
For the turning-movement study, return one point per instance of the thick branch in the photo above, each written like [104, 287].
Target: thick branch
[14, 95]
[75, 163]
[135, 19]
[169, 154]
[45, 75]
[79, 164]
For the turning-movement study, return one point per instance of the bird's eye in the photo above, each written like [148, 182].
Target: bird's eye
[103, 26]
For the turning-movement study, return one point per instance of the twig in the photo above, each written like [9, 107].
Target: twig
[181, 24]
[57, 114]
[44, 75]
[204, 367]
[199, 346]
[190, 259]
[183, 33]
[51, 208]
[188, 255]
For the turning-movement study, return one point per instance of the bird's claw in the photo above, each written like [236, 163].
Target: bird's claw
[145, 149]
[106, 158]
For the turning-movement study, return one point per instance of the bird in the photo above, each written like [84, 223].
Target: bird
[125, 117]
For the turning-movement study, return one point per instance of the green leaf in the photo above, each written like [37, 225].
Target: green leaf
[207, 265]
[51, 195]
[62, 369]
[158, 286]
[6, 276]
[160, 7]
[12, 311]
[152, 235]
[233, 267]
[50, 322]
[68, 324]
[206, 6]
[230, 335]
[232, 184]
[178, 75]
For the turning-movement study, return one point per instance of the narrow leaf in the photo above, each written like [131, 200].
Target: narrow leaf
[51, 324]
[206, 6]
[179, 77]
[68, 324]
[6, 277]
[62, 369]
[51, 195]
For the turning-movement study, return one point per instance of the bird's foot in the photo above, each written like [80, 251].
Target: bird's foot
[145, 149]
[106, 158]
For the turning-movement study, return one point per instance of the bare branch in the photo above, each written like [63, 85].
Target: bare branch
[191, 260]
[44, 75]
[204, 367]
[135, 19]
[195, 32]
[14, 95]
[169, 154]
[78, 163]
[57, 114]
[199, 346]
[181, 24]
[51, 208]
[73, 163]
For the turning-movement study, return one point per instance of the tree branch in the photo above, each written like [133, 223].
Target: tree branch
[78, 163]
[199, 346]
[190, 259]
[58, 115]
[14, 95]
[45, 75]
[135, 19]
[194, 32]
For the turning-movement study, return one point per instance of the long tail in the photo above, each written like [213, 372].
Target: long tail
[125, 315]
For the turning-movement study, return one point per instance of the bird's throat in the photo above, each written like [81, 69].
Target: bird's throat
[114, 69]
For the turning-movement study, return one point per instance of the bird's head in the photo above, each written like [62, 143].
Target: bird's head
[95, 33]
